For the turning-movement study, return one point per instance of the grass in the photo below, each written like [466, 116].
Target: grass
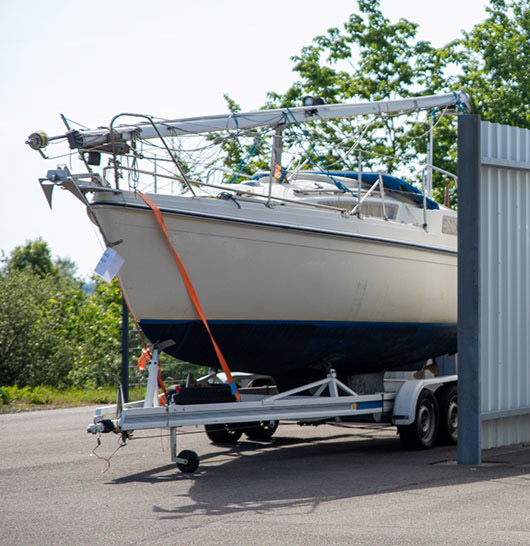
[15, 399]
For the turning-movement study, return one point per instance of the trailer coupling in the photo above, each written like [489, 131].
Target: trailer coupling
[102, 427]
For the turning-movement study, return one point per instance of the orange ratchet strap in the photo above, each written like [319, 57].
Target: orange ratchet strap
[192, 294]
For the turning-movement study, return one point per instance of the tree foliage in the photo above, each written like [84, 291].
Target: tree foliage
[55, 331]
[242, 153]
[37, 344]
[34, 256]
[52, 331]
[492, 59]
[371, 58]
[98, 358]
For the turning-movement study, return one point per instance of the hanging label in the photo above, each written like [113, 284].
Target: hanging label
[109, 264]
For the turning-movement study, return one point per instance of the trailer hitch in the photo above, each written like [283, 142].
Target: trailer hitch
[101, 427]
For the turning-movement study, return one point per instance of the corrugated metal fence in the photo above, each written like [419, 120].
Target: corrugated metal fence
[504, 280]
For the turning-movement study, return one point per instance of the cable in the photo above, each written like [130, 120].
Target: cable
[106, 466]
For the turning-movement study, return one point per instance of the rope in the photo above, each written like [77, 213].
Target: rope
[459, 104]
[243, 163]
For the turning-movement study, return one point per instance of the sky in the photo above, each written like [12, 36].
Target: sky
[167, 58]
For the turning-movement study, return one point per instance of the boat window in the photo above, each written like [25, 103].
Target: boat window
[376, 209]
[449, 225]
[367, 209]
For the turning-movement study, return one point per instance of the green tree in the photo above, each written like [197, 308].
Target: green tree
[492, 60]
[51, 330]
[66, 267]
[35, 256]
[369, 59]
[37, 327]
[242, 152]
[99, 359]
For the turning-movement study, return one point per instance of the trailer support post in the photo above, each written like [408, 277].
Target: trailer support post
[173, 443]
[125, 350]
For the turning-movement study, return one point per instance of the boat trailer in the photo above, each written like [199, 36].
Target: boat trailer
[422, 409]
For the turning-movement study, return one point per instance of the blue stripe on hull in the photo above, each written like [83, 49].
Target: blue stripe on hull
[303, 348]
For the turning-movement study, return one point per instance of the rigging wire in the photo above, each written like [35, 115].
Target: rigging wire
[205, 155]
[339, 185]
[243, 163]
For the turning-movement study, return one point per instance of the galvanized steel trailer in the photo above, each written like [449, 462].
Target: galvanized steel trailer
[422, 409]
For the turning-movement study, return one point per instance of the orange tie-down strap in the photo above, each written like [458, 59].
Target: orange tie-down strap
[192, 293]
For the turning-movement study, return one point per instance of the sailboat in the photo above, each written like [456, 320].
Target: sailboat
[296, 270]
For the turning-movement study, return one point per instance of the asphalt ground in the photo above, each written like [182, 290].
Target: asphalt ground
[324, 485]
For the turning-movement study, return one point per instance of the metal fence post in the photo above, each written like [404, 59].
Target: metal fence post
[469, 408]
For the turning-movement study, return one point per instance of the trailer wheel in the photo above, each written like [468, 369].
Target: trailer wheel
[423, 432]
[260, 430]
[223, 434]
[448, 408]
[193, 461]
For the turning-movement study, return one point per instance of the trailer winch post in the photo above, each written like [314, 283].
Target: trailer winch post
[151, 394]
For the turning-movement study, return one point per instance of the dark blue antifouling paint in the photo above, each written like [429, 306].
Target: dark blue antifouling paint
[304, 348]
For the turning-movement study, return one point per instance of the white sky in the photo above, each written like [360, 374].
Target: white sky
[174, 58]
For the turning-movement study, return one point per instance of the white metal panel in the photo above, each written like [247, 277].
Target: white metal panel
[505, 284]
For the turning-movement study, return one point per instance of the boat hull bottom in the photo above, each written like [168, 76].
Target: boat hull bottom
[297, 351]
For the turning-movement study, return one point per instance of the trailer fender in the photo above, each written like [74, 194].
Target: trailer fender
[407, 397]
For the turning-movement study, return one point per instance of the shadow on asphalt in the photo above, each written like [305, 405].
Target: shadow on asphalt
[306, 472]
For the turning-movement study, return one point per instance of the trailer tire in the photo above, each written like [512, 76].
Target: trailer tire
[193, 461]
[223, 434]
[423, 432]
[260, 430]
[448, 409]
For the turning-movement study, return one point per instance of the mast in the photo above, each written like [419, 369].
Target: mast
[277, 146]
[90, 139]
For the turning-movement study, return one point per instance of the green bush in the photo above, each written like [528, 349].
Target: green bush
[40, 395]
[29, 397]
[52, 331]
[5, 396]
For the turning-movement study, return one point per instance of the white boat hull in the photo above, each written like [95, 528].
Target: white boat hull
[285, 291]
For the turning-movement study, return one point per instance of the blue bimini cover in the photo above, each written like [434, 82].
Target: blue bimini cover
[391, 183]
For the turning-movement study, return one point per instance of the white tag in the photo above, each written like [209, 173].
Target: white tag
[109, 264]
